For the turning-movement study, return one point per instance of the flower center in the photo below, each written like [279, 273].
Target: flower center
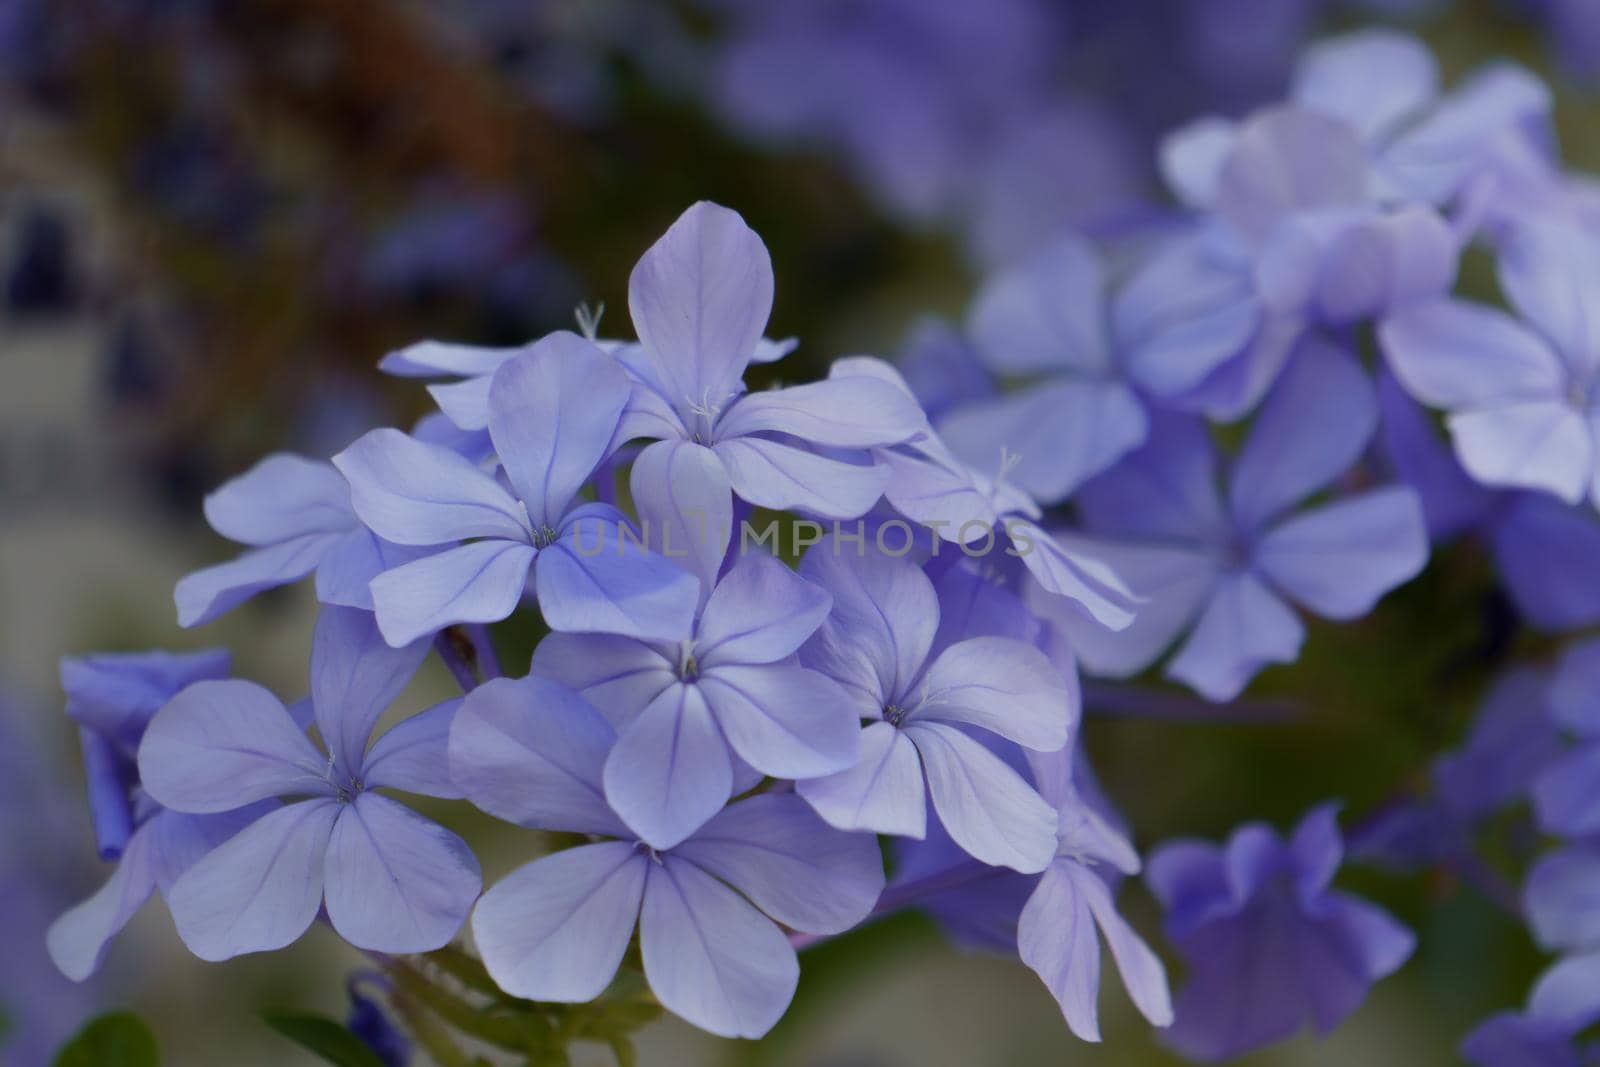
[545, 536]
[894, 714]
[688, 668]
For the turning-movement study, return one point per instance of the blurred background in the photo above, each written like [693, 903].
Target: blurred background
[215, 218]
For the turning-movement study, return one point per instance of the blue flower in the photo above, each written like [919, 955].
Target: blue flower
[1268, 945]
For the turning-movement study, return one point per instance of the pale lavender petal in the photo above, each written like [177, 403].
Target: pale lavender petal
[1370, 79]
[397, 882]
[259, 890]
[344, 576]
[1535, 444]
[465, 403]
[478, 582]
[1287, 160]
[883, 793]
[79, 939]
[556, 929]
[1142, 972]
[783, 477]
[414, 493]
[1244, 628]
[1191, 159]
[711, 957]
[1551, 274]
[1070, 566]
[787, 722]
[761, 612]
[845, 412]
[1455, 354]
[179, 841]
[1566, 992]
[212, 591]
[987, 807]
[669, 771]
[284, 496]
[1339, 559]
[685, 505]
[355, 676]
[220, 745]
[618, 675]
[414, 754]
[1048, 315]
[1056, 938]
[699, 299]
[1061, 433]
[531, 751]
[552, 411]
[1562, 898]
[1000, 685]
[613, 588]
[1164, 491]
[1311, 428]
[793, 866]
[434, 359]
[1173, 584]
[880, 629]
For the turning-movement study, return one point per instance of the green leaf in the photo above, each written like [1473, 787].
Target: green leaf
[120, 1039]
[328, 1039]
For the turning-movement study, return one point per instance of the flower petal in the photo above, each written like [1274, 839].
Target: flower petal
[79, 939]
[1454, 354]
[761, 612]
[711, 957]
[1562, 898]
[787, 722]
[284, 496]
[1310, 429]
[1370, 79]
[1339, 559]
[397, 882]
[1047, 315]
[987, 807]
[552, 411]
[260, 889]
[413, 493]
[355, 676]
[556, 929]
[1000, 685]
[1062, 433]
[847, 412]
[213, 591]
[531, 751]
[414, 754]
[700, 298]
[1056, 938]
[883, 793]
[685, 505]
[879, 630]
[1535, 444]
[1567, 794]
[669, 771]
[220, 745]
[783, 477]
[482, 581]
[1243, 628]
[622, 590]
[793, 866]
[618, 675]
[1288, 160]
[1070, 566]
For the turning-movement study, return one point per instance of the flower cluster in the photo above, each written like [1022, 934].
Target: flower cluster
[1187, 441]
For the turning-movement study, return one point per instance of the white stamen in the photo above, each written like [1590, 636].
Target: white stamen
[589, 319]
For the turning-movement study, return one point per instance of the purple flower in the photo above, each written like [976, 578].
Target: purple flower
[295, 515]
[878, 643]
[113, 697]
[1225, 564]
[689, 712]
[1056, 933]
[1563, 890]
[392, 881]
[986, 516]
[1564, 1003]
[1521, 395]
[533, 752]
[553, 417]
[1048, 321]
[700, 298]
[941, 368]
[1266, 942]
